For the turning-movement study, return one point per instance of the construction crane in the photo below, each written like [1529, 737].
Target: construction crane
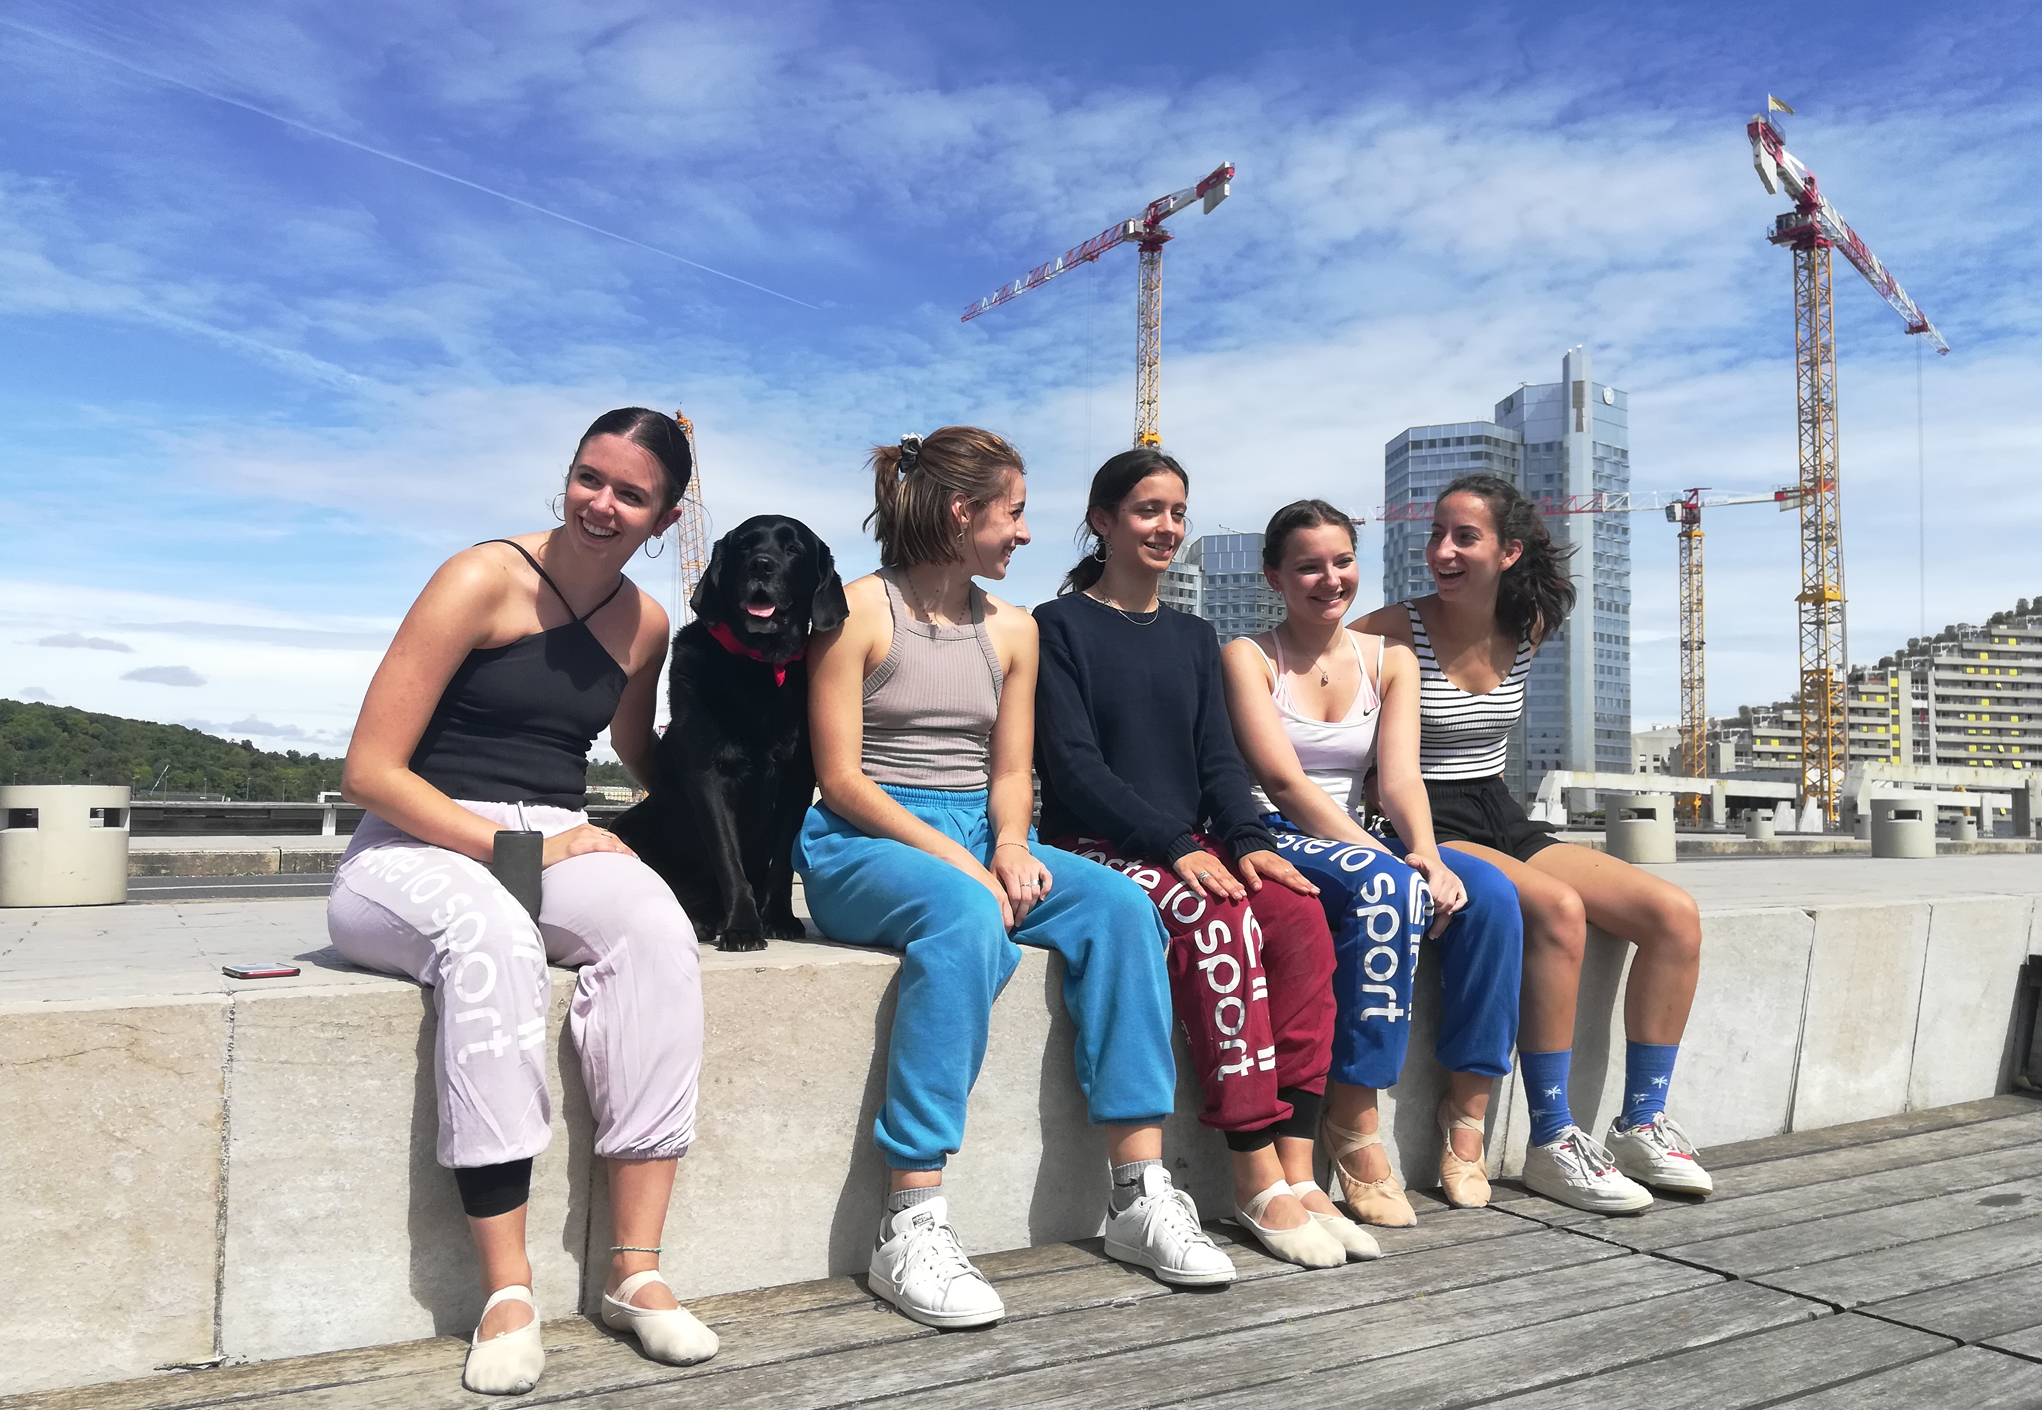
[1147, 232]
[1811, 230]
[691, 532]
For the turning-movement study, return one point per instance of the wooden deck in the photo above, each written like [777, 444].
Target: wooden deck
[1896, 1262]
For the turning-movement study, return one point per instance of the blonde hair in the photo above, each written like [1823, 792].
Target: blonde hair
[912, 485]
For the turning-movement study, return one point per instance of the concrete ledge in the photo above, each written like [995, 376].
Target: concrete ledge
[240, 1150]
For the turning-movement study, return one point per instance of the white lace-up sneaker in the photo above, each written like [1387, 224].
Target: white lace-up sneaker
[921, 1269]
[1659, 1153]
[1160, 1231]
[1575, 1170]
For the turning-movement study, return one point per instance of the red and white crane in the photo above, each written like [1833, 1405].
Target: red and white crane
[1147, 232]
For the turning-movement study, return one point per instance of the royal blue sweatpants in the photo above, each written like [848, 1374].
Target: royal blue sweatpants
[1379, 910]
[956, 955]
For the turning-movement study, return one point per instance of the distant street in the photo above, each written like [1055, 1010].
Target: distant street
[226, 888]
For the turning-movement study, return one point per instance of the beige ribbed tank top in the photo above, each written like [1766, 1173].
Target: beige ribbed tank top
[931, 704]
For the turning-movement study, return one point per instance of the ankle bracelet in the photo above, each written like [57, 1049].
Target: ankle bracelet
[634, 1248]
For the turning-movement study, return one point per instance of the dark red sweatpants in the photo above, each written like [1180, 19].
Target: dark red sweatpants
[1252, 983]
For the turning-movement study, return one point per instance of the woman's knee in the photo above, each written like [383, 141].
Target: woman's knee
[1677, 924]
[1555, 923]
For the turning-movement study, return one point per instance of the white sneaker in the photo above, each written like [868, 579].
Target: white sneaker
[1575, 1170]
[1160, 1231]
[921, 1269]
[1659, 1153]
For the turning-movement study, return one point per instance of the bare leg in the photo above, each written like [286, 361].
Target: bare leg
[1354, 1108]
[1555, 939]
[1255, 1171]
[1655, 915]
[500, 1247]
[1294, 1153]
[1467, 1093]
[640, 1191]
[1131, 1143]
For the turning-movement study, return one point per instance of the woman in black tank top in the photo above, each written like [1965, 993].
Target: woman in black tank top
[1502, 583]
[516, 656]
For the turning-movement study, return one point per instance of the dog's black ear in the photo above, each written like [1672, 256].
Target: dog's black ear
[827, 610]
[707, 602]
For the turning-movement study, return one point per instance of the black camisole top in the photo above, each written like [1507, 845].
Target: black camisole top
[515, 723]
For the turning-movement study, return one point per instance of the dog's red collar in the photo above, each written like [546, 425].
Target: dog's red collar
[727, 639]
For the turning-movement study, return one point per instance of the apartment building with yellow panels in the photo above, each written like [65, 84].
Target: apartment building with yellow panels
[1969, 695]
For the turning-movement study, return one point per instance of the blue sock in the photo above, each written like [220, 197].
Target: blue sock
[1648, 1071]
[1545, 1090]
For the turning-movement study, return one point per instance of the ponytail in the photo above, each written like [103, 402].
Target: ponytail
[913, 483]
[1535, 594]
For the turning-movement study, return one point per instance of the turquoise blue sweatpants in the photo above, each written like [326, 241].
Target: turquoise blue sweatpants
[956, 955]
[1379, 910]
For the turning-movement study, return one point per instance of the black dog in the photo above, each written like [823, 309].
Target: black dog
[734, 772]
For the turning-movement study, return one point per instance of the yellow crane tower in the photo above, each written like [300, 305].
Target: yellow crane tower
[1811, 230]
[1149, 236]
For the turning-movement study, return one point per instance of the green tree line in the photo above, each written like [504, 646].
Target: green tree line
[55, 744]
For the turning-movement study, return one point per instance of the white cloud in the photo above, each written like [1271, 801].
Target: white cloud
[165, 675]
[87, 643]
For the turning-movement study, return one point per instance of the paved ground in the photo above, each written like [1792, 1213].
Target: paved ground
[226, 888]
[1894, 1263]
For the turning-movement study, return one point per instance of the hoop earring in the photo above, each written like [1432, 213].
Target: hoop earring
[1101, 553]
[554, 506]
[659, 539]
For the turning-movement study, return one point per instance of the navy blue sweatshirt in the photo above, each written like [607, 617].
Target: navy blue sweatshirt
[1132, 738]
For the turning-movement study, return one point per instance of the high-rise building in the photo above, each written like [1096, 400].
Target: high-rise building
[1555, 441]
[1219, 577]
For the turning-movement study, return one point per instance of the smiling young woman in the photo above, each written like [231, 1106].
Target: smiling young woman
[922, 712]
[1503, 591]
[1139, 771]
[516, 656]
[1316, 709]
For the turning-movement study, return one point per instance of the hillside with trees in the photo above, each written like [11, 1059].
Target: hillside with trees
[55, 744]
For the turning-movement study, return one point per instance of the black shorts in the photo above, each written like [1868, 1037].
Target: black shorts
[1483, 811]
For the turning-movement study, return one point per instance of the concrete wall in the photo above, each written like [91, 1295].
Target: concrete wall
[254, 1171]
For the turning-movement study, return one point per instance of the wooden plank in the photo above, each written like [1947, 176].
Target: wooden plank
[1840, 1164]
[1476, 1370]
[1748, 1371]
[1970, 1376]
[1888, 1224]
[1858, 1279]
[1270, 1306]
[1978, 1309]
[1858, 1133]
[2026, 1343]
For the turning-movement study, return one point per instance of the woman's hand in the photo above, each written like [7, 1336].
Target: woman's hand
[1207, 875]
[1448, 895]
[970, 867]
[1023, 876]
[577, 840]
[1256, 865]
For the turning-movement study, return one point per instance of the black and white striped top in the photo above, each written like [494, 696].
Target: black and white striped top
[1463, 736]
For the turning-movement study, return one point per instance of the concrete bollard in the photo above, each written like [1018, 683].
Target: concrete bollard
[63, 845]
[1812, 818]
[1759, 826]
[1783, 816]
[1644, 835]
[1862, 827]
[1902, 829]
[1965, 829]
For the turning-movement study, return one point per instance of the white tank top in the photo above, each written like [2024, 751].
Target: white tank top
[1335, 754]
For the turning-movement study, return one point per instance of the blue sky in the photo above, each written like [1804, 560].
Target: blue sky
[297, 299]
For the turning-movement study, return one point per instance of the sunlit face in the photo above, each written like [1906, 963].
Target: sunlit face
[1465, 554]
[1319, 574]
[614, 491]
[996, 528]
[1149, 524]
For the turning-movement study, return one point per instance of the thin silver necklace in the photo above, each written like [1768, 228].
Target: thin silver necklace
[1147, 619]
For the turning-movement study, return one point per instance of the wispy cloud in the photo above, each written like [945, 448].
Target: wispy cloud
[88, 643]
[165, 675]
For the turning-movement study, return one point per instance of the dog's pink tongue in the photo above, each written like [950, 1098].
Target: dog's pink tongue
[758, 611]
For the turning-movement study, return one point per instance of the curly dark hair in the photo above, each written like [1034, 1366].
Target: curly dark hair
[1535, 594]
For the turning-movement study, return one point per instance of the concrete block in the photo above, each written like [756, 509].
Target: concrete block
[342, 1229]
[1864, 995]
[111, 1171]
[1963, 1043]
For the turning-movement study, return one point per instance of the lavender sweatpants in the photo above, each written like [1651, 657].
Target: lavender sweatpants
[405, 907]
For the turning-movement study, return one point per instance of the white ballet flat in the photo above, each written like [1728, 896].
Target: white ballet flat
[1359, 1243]
[1308, 1245]
[508, 1364]
[669, 1334]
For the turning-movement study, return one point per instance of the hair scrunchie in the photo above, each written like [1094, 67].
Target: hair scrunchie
[910, 453]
